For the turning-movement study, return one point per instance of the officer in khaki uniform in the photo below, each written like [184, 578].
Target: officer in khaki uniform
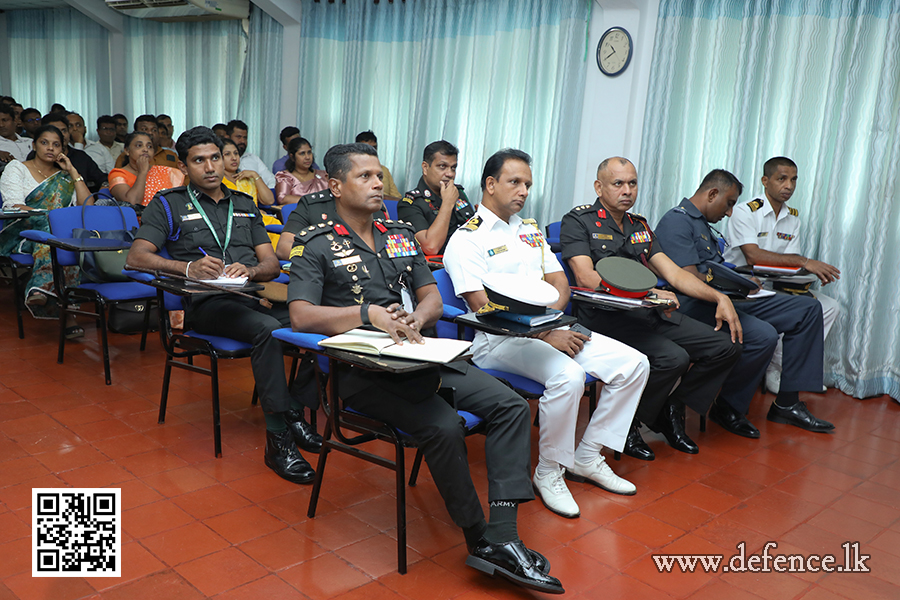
[352, 272]
[438, 205]
[210, 231]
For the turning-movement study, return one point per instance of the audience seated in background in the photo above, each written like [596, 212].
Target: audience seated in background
[47, 181]
[299, 177]
[286, 135]
[106, 132]
[237, 131]
[84, 164]
[12, 146]
[31, 120]
[165, 136]
[161, 156]
[220, 129]
[95, 150]
[390, 188]
[248, 182]
[18, 108]
[167, 120]
[121, 127]
[138, 180]
[57, 107]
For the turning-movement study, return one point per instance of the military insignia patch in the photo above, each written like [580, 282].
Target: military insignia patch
[239, 214]
[408, 200]
[640, 237]
[535, 240]
[793, 211]
[297, 251]
[399, 245]
[784, 236]
[472, 224]
[461, 204]
[762, 234]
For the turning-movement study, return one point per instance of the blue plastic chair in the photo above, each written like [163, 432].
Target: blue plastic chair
[99, 218]
[14, 262]
[391, 207]
[553, 236]
[347, 429]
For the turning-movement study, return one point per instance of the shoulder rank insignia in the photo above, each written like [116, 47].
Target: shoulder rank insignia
[582, 209]
[755, 205]
[314, 230]
[531, 222]
[472, 224]
[407, 199]
[793, 211]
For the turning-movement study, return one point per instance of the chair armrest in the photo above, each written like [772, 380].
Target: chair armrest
[309, 341]
[35, 235]
[274, 228]
[451, 312]
[138, 276]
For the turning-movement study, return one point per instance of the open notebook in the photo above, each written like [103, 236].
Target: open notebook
[437, 350]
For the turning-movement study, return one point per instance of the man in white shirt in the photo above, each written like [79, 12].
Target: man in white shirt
[106, 133]
[766, 231]
[497, 240]
[237, 132]
[12, 146]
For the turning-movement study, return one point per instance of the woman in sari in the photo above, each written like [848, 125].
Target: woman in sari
[248, 182]
[298, 178]
[46, 182]
[138, 180]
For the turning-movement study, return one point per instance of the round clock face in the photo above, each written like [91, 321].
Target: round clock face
[614, 51]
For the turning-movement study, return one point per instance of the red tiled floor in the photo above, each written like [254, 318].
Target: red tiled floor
[195, 526]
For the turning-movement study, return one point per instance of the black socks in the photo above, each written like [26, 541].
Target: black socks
[502, 527]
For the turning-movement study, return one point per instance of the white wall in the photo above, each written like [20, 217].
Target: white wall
[613, 115]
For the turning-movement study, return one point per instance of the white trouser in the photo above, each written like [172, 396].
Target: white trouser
[830, 311]
[622, 369]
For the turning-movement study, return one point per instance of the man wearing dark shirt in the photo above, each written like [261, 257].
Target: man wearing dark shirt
[672, 342]
[437, 206]
[210, 231]
[348, 273]
[688, 237]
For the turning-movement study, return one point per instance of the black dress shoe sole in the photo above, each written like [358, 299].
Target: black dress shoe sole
[753, 435]
[804, 426]
[301, 479]
[490, 568]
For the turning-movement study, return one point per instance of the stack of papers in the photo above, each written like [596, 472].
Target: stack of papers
[436, 350]
[227, 281]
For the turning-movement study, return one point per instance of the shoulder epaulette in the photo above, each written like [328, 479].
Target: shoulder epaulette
[472, 224]
[242, 195]
[180, 188]
[459, 186]
[395, 223]
[678, 209]
[407, 199]
[638, 216]
[316, 197]
[531, 222]
[794, 211]
[315, 230]
[755, 205]
[580, 210]
[413, 194]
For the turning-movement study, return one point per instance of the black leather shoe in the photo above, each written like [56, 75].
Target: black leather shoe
[670, 423]
[283, 458]
[540, 561]
[725, 416]
[513, 561]
[303, 433]
[635, 446]
[798, 416]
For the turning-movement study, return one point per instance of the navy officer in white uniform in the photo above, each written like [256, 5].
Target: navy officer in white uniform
[497, 240]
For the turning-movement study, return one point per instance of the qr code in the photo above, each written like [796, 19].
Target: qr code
[76, 532]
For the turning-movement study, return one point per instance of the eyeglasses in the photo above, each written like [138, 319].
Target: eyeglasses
[107, 128]
[33, 120]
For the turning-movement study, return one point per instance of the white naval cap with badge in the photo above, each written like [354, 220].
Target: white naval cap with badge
[519, 294]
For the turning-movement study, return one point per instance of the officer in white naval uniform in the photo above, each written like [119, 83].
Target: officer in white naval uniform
[497, 240]
[766, 231]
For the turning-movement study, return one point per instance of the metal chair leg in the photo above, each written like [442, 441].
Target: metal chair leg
[417, 464]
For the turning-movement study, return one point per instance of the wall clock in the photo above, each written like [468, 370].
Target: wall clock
[614, 51]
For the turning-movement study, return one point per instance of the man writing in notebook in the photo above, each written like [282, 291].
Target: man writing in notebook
[353, 271]
[497, 240]
[210, 231]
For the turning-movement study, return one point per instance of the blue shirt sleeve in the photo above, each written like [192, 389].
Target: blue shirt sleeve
[678, 237]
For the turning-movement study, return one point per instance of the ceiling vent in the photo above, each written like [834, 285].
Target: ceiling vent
[182, 10]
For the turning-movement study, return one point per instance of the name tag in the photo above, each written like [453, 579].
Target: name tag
[399, 245]
[497, 250]
[762, 234]
[345, 261]
[601, 236]
[247, 215]
[193, 217]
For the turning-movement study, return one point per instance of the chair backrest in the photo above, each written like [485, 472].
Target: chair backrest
[448, 295]
[286, 211]
[391, 206]
[99, 218]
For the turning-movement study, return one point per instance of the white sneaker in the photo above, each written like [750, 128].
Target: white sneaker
[600, 474]
[773, 381]
[555, 495]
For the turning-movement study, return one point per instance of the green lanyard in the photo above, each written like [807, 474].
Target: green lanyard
[202, 212]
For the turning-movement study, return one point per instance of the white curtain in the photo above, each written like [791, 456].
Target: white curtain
[735, 83]
[59, 55]
[482, 74]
